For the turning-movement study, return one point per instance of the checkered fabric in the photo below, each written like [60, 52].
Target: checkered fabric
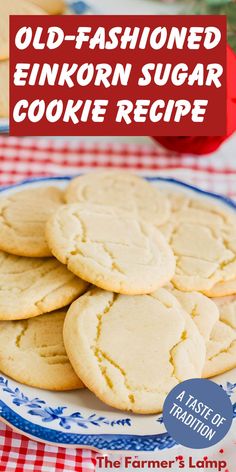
[26, 158]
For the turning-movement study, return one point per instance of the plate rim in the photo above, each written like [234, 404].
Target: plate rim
[214, 195]
[97, 442]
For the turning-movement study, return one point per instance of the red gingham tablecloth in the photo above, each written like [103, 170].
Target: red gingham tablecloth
[28, 157]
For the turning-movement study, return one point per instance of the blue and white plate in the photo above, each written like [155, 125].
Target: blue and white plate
[78, 418]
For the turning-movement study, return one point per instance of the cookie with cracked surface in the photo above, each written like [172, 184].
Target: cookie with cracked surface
[32, 286]
[110, 248]
[52, 7]
[222, 289]
[4, 89]
[32, 352]
[203, 238]
[131, 351]
[221, 348]
[13, 7]
[121, 190]
[23, 217]
[203, 311]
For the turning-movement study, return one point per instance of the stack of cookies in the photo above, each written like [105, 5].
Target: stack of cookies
[16, 7]
[146, 273]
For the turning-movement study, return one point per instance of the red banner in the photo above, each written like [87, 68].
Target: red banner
[118, 75]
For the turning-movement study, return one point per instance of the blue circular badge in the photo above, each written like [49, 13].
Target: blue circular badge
[197, 413]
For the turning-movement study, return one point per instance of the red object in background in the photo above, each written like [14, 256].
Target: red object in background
[205, 144]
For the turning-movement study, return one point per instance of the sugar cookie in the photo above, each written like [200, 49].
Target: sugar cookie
[13, 7]
[4, 89]
[131, 351]
[222, 289]
[110, 248]
[33, 286]
[221, 348]
[32, 352]
[202, 310]
[203, 240]
[122, 190]
[23, 217]
[52, 7]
